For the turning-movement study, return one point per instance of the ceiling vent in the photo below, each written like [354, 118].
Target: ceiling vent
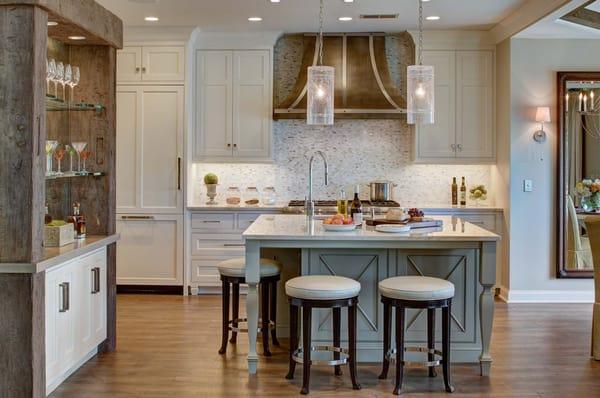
[378, 16]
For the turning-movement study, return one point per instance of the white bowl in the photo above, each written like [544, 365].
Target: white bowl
[392, 228]
[339, 228]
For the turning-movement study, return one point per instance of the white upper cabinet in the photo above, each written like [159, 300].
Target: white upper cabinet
[464, 109]
[151, 64]
[233, 105]
[150, 125]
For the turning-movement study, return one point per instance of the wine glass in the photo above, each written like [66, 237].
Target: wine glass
[85, 155]
[59, 153]
[50, 147]
[59, 76]
[67, 79]
[50, 73]
[71, 153]
[74, 81]
[79, 147]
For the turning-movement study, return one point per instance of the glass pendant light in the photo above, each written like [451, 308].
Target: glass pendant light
[421, 85]
[321, 86]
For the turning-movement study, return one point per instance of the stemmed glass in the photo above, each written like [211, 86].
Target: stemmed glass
[59, 77]
[59, 153]
[50, 74]
[67, 79]
[50, 147]
[79, 147]
[76, 76]
[85, 155]
[71, 153]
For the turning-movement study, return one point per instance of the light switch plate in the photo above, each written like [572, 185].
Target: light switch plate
[527, 186]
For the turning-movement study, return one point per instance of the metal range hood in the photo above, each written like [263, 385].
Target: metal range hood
[370, 73]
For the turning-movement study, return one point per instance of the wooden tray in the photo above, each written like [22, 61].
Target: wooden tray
[424, 223]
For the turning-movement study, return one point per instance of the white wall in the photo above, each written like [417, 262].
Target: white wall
[534, 64]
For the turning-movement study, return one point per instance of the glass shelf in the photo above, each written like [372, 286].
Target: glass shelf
[55, 104]
[74, 175]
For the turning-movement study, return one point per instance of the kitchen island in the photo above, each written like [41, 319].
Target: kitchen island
[458, 251]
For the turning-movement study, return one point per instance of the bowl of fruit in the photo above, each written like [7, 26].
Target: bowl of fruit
[339, 223]
[416, 215]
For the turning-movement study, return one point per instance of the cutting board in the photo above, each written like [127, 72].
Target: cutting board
[425, 223]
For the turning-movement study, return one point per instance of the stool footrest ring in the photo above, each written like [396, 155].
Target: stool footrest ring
[391, 356]
[245, 330]
[298, 358]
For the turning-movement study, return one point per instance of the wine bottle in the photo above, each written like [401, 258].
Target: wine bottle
[463, 193]
[454, 192]
[80, 223]
[356, 208]
[47, 216]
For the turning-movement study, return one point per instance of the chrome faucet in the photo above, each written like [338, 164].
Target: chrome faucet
[310, 204]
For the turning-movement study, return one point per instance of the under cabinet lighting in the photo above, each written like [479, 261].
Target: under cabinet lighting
[255, 19]
[151, 19]
[345, 19]
[275, 1]
[52, 23]
[348, 1]
[76, 37]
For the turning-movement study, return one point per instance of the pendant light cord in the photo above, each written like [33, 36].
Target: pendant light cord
[321, 17]
[420, 55]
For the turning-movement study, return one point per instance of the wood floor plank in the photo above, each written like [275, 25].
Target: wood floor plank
[167, 347]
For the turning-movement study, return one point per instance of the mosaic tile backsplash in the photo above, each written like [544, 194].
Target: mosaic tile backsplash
[358, 152]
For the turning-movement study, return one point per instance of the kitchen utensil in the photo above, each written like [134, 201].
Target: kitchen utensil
[392, 228]
[381, 191]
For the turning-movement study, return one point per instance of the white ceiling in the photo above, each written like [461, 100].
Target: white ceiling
[552, 27]
[302, 15]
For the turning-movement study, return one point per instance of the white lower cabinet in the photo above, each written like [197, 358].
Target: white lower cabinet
[75, 315]
[150, 251]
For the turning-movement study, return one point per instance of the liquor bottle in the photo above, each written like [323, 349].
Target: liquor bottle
[463, 193]
[47, 216]
[72, 219]
[454, 192]
[356, 208]
[80, 223]
[342, 204]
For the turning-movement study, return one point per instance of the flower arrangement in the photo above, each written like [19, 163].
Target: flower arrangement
[589, 191]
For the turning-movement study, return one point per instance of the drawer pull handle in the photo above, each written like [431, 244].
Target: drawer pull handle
[234, 245]
[211, 222]
[137, 218]
[64, 297]
[95, 280]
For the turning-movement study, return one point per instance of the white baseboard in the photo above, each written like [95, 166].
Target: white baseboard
[546, 296]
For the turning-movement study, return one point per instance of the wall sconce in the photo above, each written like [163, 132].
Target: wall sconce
[542, 116]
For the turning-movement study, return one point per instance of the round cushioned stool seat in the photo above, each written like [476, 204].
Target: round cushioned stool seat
[322, 287]
[416, 288]
[236, 267]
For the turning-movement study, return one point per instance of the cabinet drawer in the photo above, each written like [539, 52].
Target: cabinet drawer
[487, 221]
[213, 222]
[245, 220]
[203, 245]
[205, 272]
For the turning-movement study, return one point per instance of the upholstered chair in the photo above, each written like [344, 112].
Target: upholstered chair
[593, 228]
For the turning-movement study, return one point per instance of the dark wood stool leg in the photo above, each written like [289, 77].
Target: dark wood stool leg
[446, 347]
[352, 345]
[337, 319]
[399, 348]
[235, 310]
[264, 292]
[293, 340]
[225, 315]
[273, 311]
[306, 342]
[431, 339]
[387, 331]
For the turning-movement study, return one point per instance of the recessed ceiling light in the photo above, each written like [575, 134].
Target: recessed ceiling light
[151, 19]
[255, 19]
[52, 23]
[77, 37]
[432, 18]
[345, 19]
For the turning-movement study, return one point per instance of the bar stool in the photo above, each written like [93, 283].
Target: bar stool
[320, 291]
[419, 292]
[233, 274]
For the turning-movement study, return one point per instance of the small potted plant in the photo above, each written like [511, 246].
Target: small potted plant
[211, 181]
[478, 194]
[589, 191]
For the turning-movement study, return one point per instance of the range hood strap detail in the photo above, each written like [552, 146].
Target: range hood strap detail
[376, 73]
[305, 89]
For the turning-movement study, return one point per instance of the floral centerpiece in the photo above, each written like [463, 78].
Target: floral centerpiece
[589, 191]
[211, 181]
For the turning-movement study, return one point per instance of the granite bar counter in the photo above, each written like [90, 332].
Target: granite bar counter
[460, 252]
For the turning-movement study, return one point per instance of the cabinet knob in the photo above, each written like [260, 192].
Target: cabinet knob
[143, 69]
[235, 145]
[453, 146]
[228, 145]
[459, 147]
[137, 70]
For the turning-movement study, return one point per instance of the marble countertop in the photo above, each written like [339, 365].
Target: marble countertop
[288, 227]
[53, 256]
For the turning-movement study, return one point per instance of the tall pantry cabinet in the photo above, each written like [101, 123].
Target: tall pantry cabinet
[150, 167]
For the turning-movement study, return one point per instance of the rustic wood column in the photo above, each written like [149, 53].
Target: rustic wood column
[22, 117]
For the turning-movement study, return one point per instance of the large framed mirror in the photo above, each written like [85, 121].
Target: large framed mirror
[578, 170]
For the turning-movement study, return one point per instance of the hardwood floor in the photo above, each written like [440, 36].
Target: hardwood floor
[167, 347]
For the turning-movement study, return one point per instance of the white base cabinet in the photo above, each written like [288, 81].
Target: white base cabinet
[150, 251]
[75, 315]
